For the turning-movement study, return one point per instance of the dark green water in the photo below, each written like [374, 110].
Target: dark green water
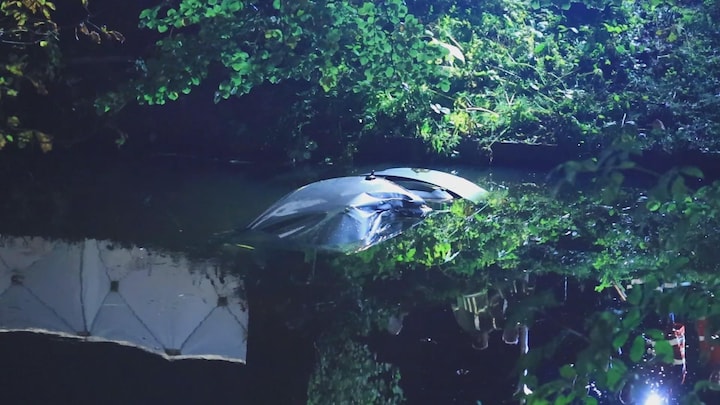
[177, 204]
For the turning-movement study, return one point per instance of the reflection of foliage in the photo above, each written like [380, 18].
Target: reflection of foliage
[605, 232]
[505, 234]
[661, 238]
[602, 232]
[601, 364]
[338, 313]
[348, 373]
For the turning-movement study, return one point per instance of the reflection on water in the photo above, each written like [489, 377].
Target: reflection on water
[96, 291]
[173, 207]
[180, 307]
[178, 208]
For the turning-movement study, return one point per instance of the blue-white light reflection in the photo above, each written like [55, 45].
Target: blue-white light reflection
[654, 398]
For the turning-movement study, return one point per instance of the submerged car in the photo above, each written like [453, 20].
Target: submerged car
[351, 214]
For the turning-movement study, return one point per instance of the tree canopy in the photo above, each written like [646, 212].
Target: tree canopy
[527, 72]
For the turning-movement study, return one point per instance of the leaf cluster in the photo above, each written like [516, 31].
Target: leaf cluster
[348, 372]
[663, 236]
[30, 61]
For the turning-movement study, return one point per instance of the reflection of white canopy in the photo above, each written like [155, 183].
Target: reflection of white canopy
[95, 291]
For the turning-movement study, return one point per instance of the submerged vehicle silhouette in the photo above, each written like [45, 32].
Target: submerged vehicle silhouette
[351, 214]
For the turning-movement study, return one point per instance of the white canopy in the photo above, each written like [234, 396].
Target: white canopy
[97, 291]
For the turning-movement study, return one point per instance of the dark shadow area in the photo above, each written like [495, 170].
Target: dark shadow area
[439, 365]
[43, 369]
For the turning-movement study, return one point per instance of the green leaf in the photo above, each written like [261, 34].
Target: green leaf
[655, 334]
[620, 339]
[565, 399]
[242, 67]
[568, 372]
[678, 189]
[367, 8]
[632, 319]
[453, 51]
[615, 374]
[235, 6]
[664, 351]
[148, 13]
[653, 205]
[692, 171]
[638, 349]
[590, 400]
[276, 4]
[634, 296]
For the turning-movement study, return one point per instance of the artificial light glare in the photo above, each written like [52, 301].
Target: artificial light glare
[654, 399]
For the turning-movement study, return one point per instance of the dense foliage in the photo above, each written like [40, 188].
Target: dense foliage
[31, 60]
[612, 77]
[348, 373]
[538, 72]
[502, 71]
[27, 31]
[602, 231]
